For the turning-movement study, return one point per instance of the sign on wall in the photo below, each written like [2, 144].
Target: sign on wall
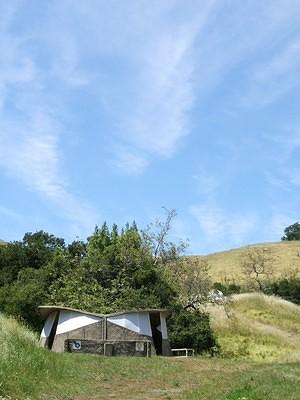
[76, 345]
[139, 346]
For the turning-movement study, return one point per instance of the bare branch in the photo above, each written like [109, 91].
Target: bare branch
[257, 265]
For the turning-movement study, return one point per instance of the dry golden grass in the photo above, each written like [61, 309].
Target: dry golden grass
[226, 265]
[256, 327]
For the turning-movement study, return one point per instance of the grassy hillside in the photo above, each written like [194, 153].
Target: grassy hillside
[28, 372]
[257, 327]
[227, 264]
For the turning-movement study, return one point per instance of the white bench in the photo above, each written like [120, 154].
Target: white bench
[184, 352]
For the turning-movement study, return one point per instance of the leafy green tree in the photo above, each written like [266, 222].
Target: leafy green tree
[76, 250]
[40, 248]
[12, 260]
[191, 329]
[22, 297]
[113, 270]
[292, 232]
[117, 272]
[79, 288]
[27, 269]
[34, 251]
[192, 282]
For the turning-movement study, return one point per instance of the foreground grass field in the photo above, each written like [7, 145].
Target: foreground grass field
[226, 265]
[31, 373]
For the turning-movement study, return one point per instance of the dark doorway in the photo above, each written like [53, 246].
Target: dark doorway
[156, 334]
[53, 331]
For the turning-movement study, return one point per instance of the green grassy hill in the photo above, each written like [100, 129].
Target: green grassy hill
[257, 327]
[226, 265]
[260, 360]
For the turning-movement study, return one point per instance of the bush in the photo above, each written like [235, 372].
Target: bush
[288, 288]
[191, 329]
[228, 289]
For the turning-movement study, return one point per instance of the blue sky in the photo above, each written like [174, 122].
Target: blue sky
[112, 109]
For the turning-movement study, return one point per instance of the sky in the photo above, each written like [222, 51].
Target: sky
[111, 110]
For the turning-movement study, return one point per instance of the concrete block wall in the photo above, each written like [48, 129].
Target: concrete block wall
[136, 348]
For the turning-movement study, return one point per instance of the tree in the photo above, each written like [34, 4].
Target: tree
[35, 251]
[191, 329]
[22, 297]
[12, 260]
[118, 271]
[155, 237]
[193, 282]
[114, 269]
[257, 266]
[292, 232]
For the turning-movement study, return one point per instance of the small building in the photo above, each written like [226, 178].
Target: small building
[136, 332]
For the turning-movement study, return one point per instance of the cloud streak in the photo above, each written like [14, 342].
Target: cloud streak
[220, 227]
[30, 131]
[161, 92]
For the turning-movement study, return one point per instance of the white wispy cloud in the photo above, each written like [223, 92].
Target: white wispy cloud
[283, 62]
[30, 132]
[273, 78]
[129, 161]
[159, 119]
[66, 65]
[219, 227]
[163, 90]
[162, 57]
[142, 68]
[30, 152]
[147, 66]
[285, 171]
[8, 212]
[206, 183]
[254, 45]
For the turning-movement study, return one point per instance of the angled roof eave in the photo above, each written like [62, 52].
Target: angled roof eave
[46, 310]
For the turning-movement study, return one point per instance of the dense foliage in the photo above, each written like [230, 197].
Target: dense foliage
[227, 288]
[112, 270]
[191, 329]
[288, 288]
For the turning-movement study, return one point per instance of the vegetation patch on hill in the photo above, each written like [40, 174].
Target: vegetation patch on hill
[226, 266]
[257, 327]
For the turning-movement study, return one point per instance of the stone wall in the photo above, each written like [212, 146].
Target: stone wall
[116, 332]
[92, 332]
[138, 348]
[100, 332]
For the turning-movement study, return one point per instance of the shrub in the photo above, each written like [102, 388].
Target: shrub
[287, 288]
[227, 289]
[191, 329]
